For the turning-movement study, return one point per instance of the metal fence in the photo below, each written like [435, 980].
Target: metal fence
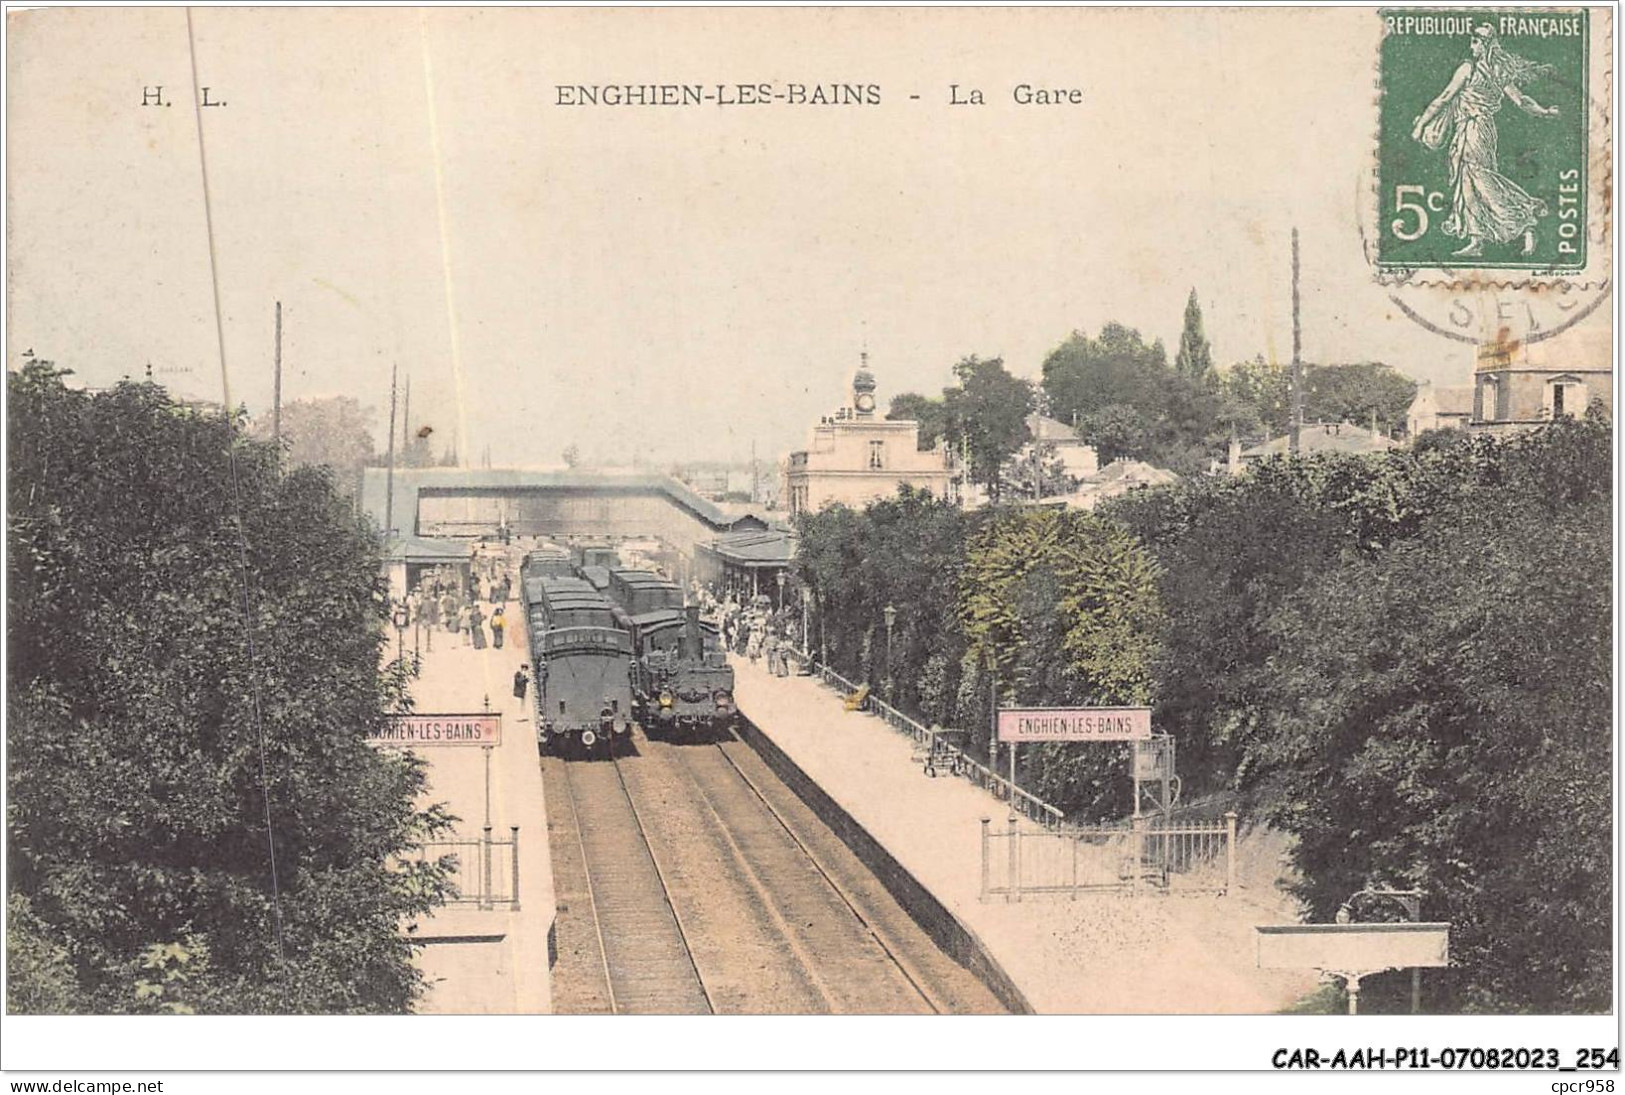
[938, 750]
[1136, 857]
[484, 872]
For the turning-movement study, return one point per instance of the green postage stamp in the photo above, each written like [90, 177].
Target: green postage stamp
[1484, 156]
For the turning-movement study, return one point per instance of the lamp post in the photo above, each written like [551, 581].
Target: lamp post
[398, 614]
[891, 618]
[780, 579]
[806, 621]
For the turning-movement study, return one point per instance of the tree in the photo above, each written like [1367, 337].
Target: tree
[1131, 403]
[931, 414]
[1357, 393]
[1063, 606]
[1332, 393]
[987, 412]
[905, 551]
[1195, 357]
[1264, 389]
[1404, 661]
[1116, 432]
[332, 432]
[572, 455]
[1084, 375]
[1438, 716]
[196, 638]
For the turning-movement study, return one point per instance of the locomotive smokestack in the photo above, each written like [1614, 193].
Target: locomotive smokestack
[693, 648]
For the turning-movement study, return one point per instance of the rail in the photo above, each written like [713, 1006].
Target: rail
[951, 756]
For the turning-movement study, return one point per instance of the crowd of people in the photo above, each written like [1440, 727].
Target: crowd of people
[470, 604]
[750, 628]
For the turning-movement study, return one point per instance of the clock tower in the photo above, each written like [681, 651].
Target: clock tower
[856, 456]
[863, 390]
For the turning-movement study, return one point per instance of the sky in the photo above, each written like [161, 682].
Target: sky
[685, 283]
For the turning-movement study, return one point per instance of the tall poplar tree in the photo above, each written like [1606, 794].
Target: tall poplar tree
[1195, 357]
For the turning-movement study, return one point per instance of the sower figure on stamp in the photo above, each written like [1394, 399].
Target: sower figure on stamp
[1485, 204]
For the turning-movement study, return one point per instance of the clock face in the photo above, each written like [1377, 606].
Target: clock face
[866, 402]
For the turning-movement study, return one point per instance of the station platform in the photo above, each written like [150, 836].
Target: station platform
[1096, 954]
[486, 961]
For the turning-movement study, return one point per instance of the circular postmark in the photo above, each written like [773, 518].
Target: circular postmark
[1479, 315]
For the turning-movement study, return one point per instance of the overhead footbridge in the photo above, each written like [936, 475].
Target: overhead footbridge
[474, 502]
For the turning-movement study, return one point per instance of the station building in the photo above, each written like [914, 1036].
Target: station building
[855, 458]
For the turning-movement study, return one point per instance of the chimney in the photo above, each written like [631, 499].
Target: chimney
[693, 645]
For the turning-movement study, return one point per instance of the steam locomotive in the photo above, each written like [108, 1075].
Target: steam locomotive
[681, 680]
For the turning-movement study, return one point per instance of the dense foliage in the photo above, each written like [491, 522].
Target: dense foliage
[1362, 393]
[1403, 660]
[1048, 606]
[188, 690]
[1062, 605]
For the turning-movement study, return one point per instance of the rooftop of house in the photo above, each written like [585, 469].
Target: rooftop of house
[1447, 400]
[1118, 477]
[1049, 429]
[1324, 437]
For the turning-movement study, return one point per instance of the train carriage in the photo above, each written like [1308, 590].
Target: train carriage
[547, 562]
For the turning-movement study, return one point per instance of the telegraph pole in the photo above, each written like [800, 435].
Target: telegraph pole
[276, 398]
[389, 475]
[1297, 359]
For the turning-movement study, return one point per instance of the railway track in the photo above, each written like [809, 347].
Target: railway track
[698, 882]
[643, 957]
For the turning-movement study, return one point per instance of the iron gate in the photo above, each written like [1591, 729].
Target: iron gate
[484, 872]
[1190, 857]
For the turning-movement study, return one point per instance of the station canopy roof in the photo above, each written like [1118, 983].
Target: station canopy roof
[417, 549]
[754, 549]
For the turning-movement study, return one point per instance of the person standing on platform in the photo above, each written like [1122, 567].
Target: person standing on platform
[498, 624]
[429, 613]
[521, 682]
[476, 623]
[463, 624]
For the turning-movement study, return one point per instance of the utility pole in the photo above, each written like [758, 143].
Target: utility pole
[389, 475]
[276, 397]
[1297, 360]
